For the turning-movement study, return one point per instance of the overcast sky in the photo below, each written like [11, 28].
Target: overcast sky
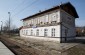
[22, 8]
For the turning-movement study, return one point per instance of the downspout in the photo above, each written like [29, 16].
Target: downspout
[60, 24]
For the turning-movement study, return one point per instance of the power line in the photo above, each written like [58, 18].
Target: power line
[18, 5]
[25, 8]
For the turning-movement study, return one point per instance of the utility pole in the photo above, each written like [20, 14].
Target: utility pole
[9, 23]
[1, 27]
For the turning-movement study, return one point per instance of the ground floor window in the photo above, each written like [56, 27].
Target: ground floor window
[31, 32]
[22, 32]
[26, 32]
[45, 32]
[37, 32]
[53, 32]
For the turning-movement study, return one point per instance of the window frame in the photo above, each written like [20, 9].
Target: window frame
[45, 32]
[53, 32]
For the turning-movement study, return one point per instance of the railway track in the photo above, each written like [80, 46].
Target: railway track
[17, 48]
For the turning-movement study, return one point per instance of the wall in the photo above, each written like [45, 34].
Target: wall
[68, 25]
[27, 32]
[44, 18]
[47, 17]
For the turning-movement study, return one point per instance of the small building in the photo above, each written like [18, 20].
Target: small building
[57, 23]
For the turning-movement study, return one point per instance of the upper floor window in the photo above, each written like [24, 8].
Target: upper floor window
[38, 20]
[31, 21]
[24, 24]
[54, 18]
[46, 19]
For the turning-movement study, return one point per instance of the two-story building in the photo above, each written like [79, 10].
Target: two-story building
[57, 22]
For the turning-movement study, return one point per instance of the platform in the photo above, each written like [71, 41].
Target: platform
[4, 50]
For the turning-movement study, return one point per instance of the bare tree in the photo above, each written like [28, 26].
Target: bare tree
[13, 29]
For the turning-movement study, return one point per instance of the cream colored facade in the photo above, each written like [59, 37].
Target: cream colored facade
[57, 24]
[44, 21]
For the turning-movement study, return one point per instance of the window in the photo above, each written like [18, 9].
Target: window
[22, 32]
[23, 23]
[46, 19]
[34, 21]
[31, 32]
[42, 19]
[37, 32]
[31, 21]
[26, 32]
[38, 20]
[45, 32]
[54, 17]
[26, 24]
[53, 32]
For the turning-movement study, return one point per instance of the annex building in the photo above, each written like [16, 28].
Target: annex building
[57, 23]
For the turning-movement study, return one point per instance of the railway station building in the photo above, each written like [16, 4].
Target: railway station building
[55, 23]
